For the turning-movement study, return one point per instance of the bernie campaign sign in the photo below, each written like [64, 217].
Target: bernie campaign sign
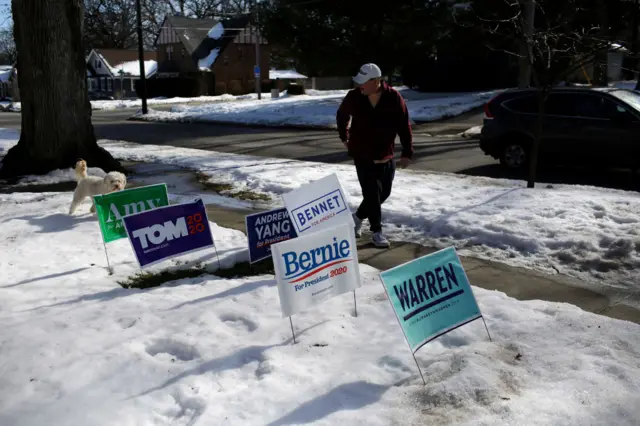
[318, 205]
[315, 267]
[167, 232]
[112, 207]
[430, 296]
[265, 229]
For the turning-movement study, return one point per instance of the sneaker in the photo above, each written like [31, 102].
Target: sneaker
[380, 240]
[358, 227]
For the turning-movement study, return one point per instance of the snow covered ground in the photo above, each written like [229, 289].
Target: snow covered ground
[136, 103]
[315, 109]
[77, 349]
[587, 232]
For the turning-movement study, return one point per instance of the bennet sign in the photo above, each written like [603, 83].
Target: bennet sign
[167, 232]
[321, 204]
[315, 267]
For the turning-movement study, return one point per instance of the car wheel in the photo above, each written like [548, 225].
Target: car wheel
[515, 155]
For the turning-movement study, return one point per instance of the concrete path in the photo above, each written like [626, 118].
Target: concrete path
[519, 283]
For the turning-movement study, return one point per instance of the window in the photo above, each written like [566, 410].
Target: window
[133, 85]
[109, 84]
[225, 60]
[580, 105]
[526, 104]
[183, 52]
[169, 50]
[102, 83]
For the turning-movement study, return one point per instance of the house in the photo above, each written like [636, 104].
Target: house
[115, 71]
[281, 78]
[616, 55]
[207, 56]
[9, 83]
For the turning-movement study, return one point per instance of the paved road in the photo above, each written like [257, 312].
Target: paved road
[445, 153]
[438, 153]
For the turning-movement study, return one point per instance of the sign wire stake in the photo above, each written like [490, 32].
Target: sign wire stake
[292, 332]
[487, 328]
[355, 305]
[107, 255]
[419, 369]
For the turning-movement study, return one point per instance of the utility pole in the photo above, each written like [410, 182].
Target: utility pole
[143, 77]
[529, 11]
[257, 71]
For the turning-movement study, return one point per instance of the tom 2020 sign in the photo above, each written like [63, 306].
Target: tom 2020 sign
[168, 232]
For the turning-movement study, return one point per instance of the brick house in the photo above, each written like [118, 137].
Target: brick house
[218, 55]
[115, 71]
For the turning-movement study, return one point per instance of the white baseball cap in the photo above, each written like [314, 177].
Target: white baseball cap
[367, 72]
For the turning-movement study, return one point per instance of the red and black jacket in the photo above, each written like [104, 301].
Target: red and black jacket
[373, 130]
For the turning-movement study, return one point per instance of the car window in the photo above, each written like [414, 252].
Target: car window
[632, 99]
[524, 104]
[580, 105]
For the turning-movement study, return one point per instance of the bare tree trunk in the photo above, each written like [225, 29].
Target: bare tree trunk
[56, 113]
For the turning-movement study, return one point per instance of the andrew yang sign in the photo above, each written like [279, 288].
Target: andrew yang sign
[167, 232]
[265, 229]
[430, 296]
[318, 205]
[315, 267]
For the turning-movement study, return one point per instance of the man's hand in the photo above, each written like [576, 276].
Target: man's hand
[404, 162]
[346, 144]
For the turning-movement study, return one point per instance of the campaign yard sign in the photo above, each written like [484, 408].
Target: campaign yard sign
[265, 229]
[430, 296]
[315, 267]
[112, 207]
[318, 205]
[167, 232]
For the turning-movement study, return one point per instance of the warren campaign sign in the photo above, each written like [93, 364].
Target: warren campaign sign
[315, 267]
[112, 207]
[321, 204]
[265, 229]
[430, 296]
[167, 232]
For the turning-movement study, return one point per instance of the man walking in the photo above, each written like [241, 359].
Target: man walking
[378, 113]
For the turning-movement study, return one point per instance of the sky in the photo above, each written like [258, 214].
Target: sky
[5, 13]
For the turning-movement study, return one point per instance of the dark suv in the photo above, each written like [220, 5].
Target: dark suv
[582, 126]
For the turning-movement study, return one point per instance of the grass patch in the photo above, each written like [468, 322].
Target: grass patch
[245, 269]
[203, 180]
[149, 279]
[251, 196]
[227, 189]
[146, 280]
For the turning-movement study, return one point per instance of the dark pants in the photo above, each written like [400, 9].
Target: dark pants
[375, 181]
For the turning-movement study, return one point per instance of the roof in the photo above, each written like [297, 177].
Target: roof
[5, 73]
[118, 56]
[285, 74]
[132, 68]
[191, 31]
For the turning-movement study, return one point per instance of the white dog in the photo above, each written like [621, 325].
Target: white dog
[88, 186]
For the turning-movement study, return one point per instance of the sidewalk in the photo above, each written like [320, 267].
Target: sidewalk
[519, 283]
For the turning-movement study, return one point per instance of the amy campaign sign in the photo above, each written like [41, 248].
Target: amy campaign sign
[321, 204]
[265, 229]
[430, 296]
[315, 267]
[167, 232]
[112, 207]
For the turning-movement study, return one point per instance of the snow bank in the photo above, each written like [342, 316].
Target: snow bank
[315, 109]
[133, 103]
[78, 349]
